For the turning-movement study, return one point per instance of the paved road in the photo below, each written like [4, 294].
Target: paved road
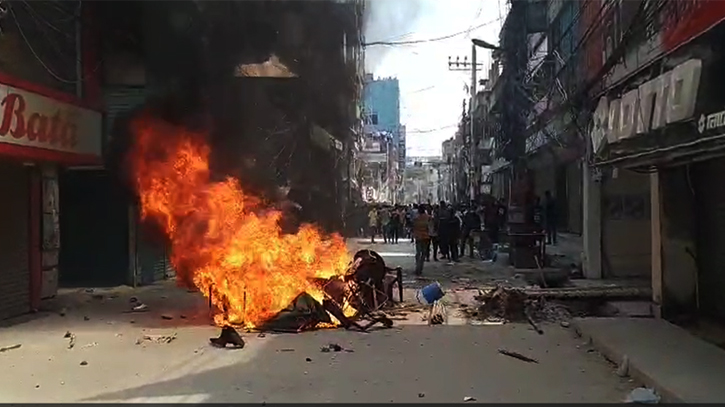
[412, 362]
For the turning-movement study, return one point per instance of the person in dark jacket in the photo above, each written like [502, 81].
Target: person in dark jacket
[395, 222]
[442, 220]
[471, 226]
[454, 234]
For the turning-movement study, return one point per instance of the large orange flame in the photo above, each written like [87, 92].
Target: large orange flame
[221, 238]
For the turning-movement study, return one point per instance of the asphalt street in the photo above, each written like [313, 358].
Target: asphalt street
[119, 356]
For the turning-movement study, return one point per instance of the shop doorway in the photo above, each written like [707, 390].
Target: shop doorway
[94, 230]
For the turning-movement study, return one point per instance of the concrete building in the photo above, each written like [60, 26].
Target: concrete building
[381, 104]
[423, 179]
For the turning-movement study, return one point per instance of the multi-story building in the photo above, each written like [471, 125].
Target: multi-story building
[381, 112]
[622, 114]
[423, 179]
[381, 101]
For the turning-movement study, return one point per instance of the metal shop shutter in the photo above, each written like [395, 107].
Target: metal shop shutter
[14, 256]
[710, 223]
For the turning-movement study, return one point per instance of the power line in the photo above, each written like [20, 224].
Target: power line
[445, 37]
[423, 131]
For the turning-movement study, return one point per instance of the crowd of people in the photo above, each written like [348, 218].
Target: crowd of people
[440, 231]
[446, 231]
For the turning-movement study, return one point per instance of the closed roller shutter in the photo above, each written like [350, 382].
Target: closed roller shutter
[710, 223]
[14, 256]
[153, 263]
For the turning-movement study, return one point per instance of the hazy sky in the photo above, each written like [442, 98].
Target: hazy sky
[431, 95]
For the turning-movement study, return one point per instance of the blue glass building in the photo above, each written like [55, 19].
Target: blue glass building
[381, 109]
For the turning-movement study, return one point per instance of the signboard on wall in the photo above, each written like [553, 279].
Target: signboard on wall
[677, 23]
[31, 120]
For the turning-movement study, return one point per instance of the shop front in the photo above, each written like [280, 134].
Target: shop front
[38, 134]
[670, 130]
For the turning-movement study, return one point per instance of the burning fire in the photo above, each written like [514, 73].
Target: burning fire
[222, 239]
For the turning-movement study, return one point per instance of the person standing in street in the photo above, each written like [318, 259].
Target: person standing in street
[433, 232]
[454, 235]
[373, 223]
[471, 226]
[385, 223]
[421, 236]
[442, 227]
[394, 225]
[550, 217]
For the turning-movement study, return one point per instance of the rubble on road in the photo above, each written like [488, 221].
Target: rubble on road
[71, 339]
[156, 338]
[517, 355]
[10, 347]
[509, 304]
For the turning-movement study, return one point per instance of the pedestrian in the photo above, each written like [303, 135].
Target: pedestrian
[442, 220]
[433, 232]
[420, 234]
[550, 217]
[394, 225]
[454, 235]
[471, 226]
[373, 223]
[385, 222]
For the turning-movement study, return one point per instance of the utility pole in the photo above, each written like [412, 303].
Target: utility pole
[474, 67]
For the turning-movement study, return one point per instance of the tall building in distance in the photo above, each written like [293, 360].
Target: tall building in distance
[381, 115]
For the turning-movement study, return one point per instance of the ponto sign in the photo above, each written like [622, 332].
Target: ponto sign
[668, 98]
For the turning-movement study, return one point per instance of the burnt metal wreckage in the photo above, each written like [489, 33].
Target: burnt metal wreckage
[368, 287]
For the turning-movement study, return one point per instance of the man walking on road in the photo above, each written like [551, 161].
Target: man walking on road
[421, 236]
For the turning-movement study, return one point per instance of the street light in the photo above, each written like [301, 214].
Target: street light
[484, 44]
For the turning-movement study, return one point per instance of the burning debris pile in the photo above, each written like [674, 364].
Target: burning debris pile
[229, 245]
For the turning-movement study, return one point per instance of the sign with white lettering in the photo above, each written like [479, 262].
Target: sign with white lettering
[668, 98]
[31, 120]
[712, 121]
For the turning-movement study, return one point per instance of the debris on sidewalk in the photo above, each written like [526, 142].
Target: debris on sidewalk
[10, 347]
[71, 339]
[228, 336]
[468, 398]
[156, 338]
[509, 304]
[84, 363]
[517, 355]
[332, 347]
[642, 395]
[140, 308]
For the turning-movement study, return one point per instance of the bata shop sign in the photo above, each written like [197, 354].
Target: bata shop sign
[668, 98]
[31, 120]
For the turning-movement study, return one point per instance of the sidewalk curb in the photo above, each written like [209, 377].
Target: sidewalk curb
[616, 357]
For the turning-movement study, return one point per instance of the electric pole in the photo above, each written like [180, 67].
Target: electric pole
[474, 67]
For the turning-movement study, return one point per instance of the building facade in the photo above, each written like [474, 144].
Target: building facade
[657, 152]
[50, 124]
[381, 104]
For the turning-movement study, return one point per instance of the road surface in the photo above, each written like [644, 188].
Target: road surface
[412, 362]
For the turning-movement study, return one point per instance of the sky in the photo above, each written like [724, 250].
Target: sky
[431, 94]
